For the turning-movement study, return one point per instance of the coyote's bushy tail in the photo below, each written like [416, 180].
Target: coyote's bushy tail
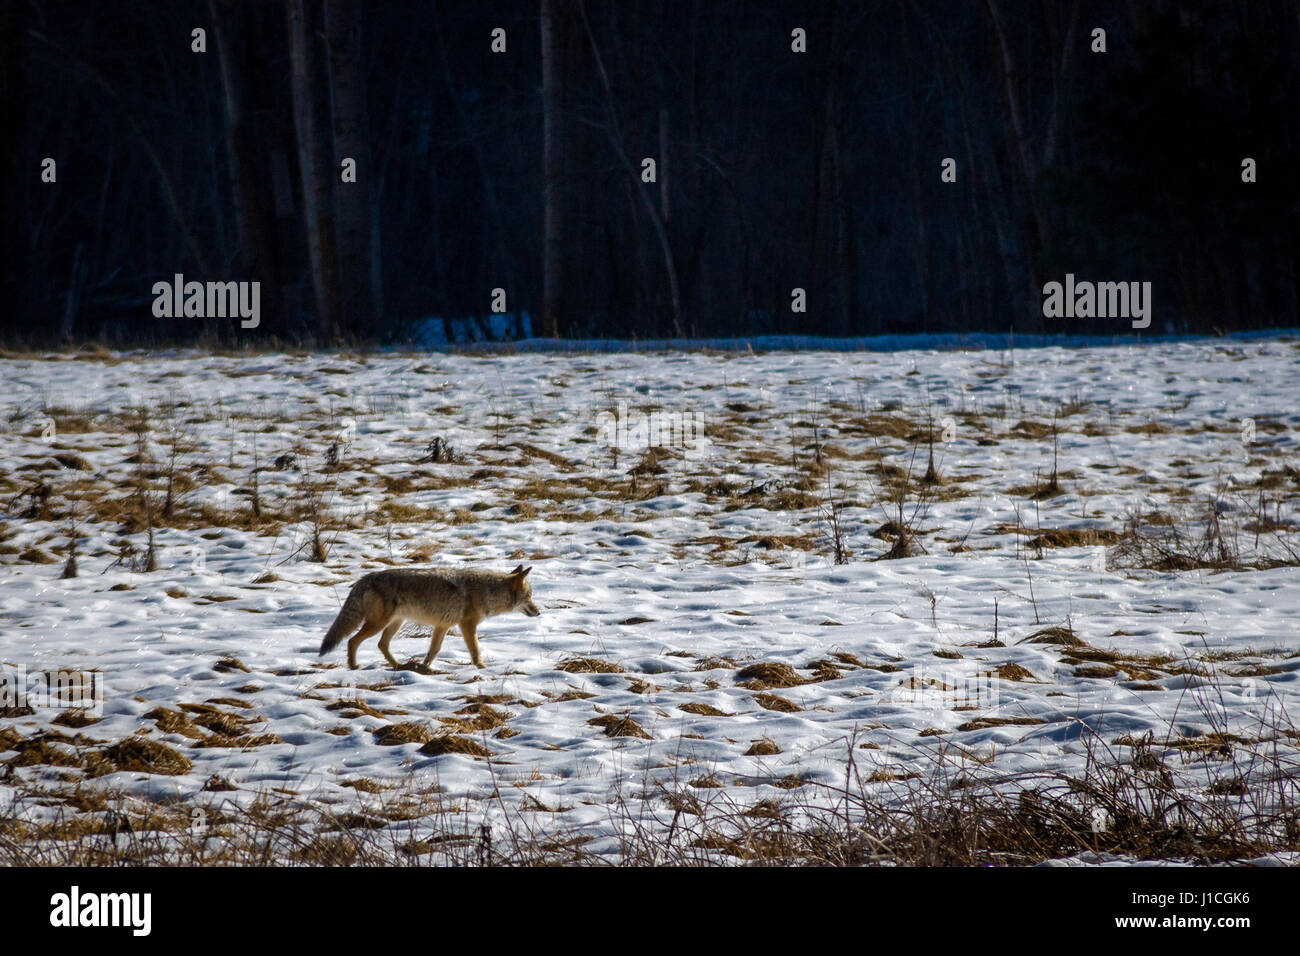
[350, 617]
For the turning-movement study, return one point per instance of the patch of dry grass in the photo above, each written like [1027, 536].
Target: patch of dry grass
[1074, 538]
[406, 732]
[616, 725]
[588, 665]
[778, 704]
[702, 710]
[452, 744]
[768, 674]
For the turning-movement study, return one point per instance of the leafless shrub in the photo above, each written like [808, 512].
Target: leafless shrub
[906, 503]
[438, 451]
[1208, 540]
[831, 511]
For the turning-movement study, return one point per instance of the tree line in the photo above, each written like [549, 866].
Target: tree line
[648, 168]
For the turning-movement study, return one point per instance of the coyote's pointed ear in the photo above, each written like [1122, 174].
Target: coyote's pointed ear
[517, 579]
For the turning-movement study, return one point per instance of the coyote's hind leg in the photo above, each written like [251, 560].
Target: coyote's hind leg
[384, 640]
[368, 630]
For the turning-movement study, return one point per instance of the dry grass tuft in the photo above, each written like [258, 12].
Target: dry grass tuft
[76, 718]
[174, 722]
[779, 704]
[240, 742]
[1060, 636]
[766, 674]
[1013, 672]
[353, 708]
[147, 756]
[407, 732]
[475, 716]
[1030, 429]
[50, 749]
[708, 782]
[703, 710]
[984, 723]
[451, 744]
[588, 665]
[824, 671]
[1074, 538]
[619, 726]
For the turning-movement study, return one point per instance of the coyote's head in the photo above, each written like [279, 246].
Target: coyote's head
[521, 594]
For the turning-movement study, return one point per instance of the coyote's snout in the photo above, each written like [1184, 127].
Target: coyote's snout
[382, 600]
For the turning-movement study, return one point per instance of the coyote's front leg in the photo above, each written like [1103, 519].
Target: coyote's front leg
[435, 644]
[468, 630]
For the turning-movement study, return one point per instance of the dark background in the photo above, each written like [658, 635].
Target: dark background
[776, 169]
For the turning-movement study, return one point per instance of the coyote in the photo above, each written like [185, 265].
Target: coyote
[382, 600]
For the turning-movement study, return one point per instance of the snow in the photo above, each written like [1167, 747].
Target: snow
[659, 582]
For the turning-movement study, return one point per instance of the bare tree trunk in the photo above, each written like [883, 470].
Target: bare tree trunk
[614, 130]
[317, 183]
[72, 303]
[552, 241]
[1059, 80]
[188, 236]
[15, 170]
[664, 208]
[1020, 141]
[828, 183]
[358, 252]
[916, 162]
[248, 181]
[495, 231]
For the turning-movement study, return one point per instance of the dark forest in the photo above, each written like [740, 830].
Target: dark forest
[657, 168]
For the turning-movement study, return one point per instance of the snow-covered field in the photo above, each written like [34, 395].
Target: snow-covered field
[1021, 634]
